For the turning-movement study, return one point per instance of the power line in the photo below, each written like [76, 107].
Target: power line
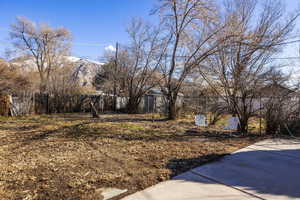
[286, 58]
[290, 42]
[89, 44]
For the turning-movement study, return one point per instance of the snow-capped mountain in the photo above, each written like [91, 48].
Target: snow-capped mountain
[84, 69]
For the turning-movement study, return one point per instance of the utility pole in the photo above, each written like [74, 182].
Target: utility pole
[115, 78]
[116, 53]
[260, 114]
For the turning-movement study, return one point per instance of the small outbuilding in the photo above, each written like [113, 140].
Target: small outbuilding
[156, 102]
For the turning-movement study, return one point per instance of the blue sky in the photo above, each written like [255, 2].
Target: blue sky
[94, 24]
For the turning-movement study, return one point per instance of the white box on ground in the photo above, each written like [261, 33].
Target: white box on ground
[233, 123]
[200, 120]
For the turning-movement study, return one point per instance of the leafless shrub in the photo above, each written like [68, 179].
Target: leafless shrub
[280, 105]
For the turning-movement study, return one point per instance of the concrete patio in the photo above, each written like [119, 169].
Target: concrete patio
[269, 169]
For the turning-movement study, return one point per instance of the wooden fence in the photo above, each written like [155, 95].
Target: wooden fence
[39, 103]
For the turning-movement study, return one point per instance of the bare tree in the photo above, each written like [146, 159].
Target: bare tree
[143, 57]
[189, 26]
[132, 72]
[110, 78]
[241, 65]
[103, 79]
[62, 86]
[62, 80]
[45, 44]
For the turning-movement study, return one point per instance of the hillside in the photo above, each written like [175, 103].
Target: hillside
[84, 69]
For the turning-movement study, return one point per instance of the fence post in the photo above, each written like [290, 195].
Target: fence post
[47, 106]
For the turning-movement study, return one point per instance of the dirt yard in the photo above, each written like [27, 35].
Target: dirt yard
[71, 156]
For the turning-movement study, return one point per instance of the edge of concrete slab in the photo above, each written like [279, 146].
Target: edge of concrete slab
[264, 143]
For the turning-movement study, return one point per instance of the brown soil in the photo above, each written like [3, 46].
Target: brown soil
[71, 156]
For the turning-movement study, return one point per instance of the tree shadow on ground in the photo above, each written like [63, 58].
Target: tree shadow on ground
[83, 131]
[269, 172]
[19, 128]
[108, 117]
[220, 134]
[62, 130]
[80, 131]
[178, 166]
[133, 120]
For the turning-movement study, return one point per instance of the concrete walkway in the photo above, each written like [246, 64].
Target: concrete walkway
[266, 170]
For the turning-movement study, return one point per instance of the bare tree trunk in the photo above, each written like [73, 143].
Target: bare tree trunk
[172, 112]
[94, 110]
[43, 84]
[114, 97]
[4, 105]
[243, 125]
[133, 106]
[272, 128]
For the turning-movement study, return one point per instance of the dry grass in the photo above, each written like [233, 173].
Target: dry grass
[70, 156]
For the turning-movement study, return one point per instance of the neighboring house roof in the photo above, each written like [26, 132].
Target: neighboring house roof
[158, 92]
[275, 89]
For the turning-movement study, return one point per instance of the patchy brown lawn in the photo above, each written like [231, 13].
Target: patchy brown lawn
[70, 156]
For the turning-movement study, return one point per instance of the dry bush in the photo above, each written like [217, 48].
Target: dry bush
[63, 88]
[281, 111]
[11, 80]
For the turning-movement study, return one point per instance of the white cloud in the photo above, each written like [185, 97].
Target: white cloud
[110, 48]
